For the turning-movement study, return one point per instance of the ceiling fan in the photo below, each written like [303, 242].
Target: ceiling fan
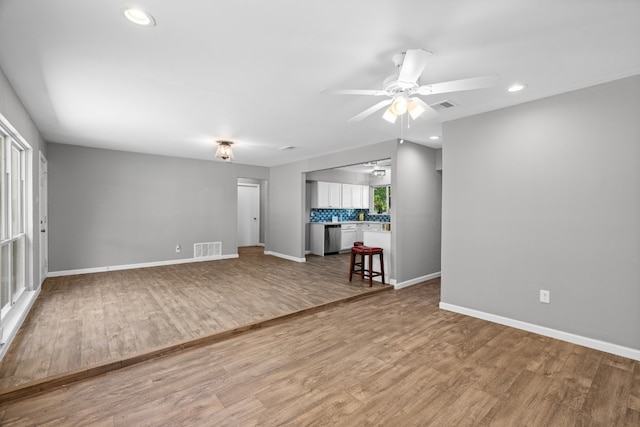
[403, 88]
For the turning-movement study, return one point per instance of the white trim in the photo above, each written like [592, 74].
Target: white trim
[289, 257]
[42, 160]
[11, 324]
[415, 281]
[141, 265]
[616, 349]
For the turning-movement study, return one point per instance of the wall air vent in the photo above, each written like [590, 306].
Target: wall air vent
[443, 105]
[287, 148]
[207, 249]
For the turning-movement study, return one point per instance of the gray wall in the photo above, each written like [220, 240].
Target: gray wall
[546, 195]
[14, 112]
[110, 208]
[416, 195]
[348, 177]
[343, 177]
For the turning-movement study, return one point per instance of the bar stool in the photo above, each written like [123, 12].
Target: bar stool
[360, 268]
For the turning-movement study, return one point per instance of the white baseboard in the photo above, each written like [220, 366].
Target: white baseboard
[548, 332]
[140, 265]
[415, 281]
[289, 257]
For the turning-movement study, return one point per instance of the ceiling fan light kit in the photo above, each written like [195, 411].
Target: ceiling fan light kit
[403, 87]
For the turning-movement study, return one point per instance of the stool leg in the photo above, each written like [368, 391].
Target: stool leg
[382, 267]
[370, 270]
[353, 256]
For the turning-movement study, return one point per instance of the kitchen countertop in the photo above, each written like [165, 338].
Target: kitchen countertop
[349, 222]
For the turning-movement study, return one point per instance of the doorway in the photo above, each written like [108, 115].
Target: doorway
[248, 214]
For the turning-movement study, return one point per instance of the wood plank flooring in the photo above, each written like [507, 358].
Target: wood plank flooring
[392, 359]
[87, 323]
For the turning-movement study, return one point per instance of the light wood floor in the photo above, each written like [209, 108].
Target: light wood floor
[392, 359]
[87, 321]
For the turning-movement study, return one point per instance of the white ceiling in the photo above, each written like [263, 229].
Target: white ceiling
[250, 70]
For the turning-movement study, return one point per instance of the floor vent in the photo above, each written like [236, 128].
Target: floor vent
[207, 249]
[443, 105]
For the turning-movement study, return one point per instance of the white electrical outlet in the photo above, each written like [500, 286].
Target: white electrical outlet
[545, 296]
[178, 248]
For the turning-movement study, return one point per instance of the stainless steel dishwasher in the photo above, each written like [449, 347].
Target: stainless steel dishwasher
[332, 236]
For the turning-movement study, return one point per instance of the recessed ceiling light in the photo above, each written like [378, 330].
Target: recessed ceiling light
[434, 137]
[516, 87]
[140, 17]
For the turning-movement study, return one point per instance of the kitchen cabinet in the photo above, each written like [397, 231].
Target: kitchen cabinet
[351, 196]
[355, 196]
[316, 240]
[348, 236]
[380, 239]
[368, 226]
[366, 194]
[326, 194]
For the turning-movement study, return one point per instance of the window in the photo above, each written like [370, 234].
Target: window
[382, 199]
[12, 222]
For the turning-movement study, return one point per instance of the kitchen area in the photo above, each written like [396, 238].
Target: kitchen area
[350, 204]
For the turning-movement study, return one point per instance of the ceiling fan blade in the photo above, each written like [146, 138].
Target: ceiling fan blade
[413, 65]
[354, 92]
[371, 110]
[429, 112]
[459, 85]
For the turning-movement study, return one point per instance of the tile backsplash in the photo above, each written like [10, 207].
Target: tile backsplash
[326, 215]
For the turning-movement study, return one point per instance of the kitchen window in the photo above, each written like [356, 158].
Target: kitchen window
[382, 199]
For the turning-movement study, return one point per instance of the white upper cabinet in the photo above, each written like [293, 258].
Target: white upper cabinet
[326, 194]
[336, 195]
[347, 195]
[355, 196]
[366, 193]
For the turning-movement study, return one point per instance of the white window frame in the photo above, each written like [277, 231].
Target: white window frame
[9, 237]
[372, 208]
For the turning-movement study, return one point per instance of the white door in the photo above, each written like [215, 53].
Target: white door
[44, 221]
[248, 214]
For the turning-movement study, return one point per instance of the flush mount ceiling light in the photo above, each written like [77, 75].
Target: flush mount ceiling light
[224, 150]
[139, 16]
[378, 172]
[516, 87]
